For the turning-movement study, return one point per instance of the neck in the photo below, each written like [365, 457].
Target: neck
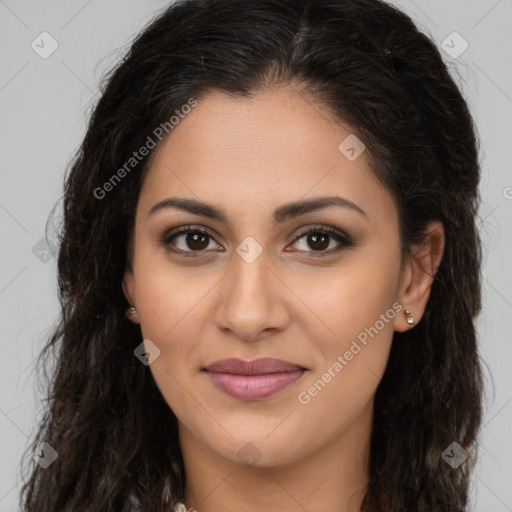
[331, 478]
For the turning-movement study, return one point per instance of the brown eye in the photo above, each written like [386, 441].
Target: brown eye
[318, 239]
[188, 240]
[196, 241]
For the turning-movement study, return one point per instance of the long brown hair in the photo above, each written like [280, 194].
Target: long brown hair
[115, 436]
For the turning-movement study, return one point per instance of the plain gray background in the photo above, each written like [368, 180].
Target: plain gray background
[44, 105]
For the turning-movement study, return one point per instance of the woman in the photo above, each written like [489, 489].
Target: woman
[269, 272]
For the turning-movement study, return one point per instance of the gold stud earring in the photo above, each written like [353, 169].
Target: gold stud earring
[131, 311]
[410, 318]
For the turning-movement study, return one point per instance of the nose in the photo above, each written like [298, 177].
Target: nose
[253, 300]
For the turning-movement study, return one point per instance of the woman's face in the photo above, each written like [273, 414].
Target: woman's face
[248, 289]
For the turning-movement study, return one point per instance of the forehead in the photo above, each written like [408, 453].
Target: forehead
[276, 146]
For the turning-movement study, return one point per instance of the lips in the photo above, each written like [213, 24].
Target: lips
[257, 367]
[253, 380]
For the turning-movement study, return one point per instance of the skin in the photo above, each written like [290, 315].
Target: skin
[249, 156]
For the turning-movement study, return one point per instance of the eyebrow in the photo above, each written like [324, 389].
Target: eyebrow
[282, 213]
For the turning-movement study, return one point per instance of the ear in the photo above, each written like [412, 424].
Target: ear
[418, 275]
[128, 286]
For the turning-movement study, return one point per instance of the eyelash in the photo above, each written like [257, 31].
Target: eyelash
[339, 236]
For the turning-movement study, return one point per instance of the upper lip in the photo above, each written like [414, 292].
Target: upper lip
[256, 367]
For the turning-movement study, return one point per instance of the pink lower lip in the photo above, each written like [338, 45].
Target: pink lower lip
[253, 387]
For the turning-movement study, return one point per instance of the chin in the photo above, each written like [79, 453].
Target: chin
[255, 450]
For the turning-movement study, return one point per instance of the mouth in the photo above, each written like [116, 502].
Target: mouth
[253, 380]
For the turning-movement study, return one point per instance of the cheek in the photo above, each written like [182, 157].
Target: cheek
[352, 299]
[169, 299]
[172, 304]
[356, 310]
[171, 311]
[349, 366]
